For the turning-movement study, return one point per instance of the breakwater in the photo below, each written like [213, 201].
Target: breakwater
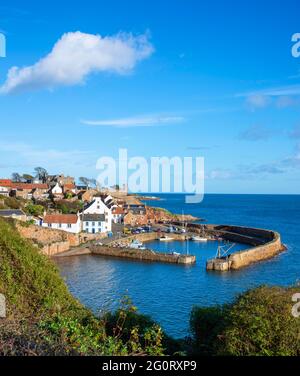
[142, 255]
[265, 244]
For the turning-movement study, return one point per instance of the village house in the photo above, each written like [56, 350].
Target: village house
[26, 190]
[136, 209]
[66, 222]
[87, 195]
[5, 187]
[56, 191]
[94, 223]
[118, 214]
[69, 188]
[101, 205]
[60, 179]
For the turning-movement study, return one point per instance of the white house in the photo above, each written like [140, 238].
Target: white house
[57, 190]
[4, 191]
[94, 223]
[118, 214]
[101, 206]
[65, 222]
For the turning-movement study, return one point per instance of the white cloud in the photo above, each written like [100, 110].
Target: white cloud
[257, 101]
[31, 155]
[74, 56]
[220, 174]
[274, 92]
[284, 96]
[143, 121]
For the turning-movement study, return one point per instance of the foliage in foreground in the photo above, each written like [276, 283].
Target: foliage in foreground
[259, 322]
[44, 318]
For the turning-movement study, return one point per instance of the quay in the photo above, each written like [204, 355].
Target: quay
[142, 255]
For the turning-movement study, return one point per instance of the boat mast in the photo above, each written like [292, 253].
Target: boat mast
[186, 237]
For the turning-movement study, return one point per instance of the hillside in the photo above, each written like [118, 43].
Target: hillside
[44, 319]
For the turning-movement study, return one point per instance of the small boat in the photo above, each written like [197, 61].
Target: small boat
[136, 244]
[165, 239]
[175, 253]
[198, 239]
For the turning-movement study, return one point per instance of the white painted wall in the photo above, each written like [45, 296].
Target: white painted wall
[73, 228]
[98, 207]
[94, 227]
[57, 189]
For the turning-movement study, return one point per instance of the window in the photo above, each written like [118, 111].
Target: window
[59, 225]
[93, 224]
[99, 224]
[69, 225]
[87, 224]
[98, 206]
[49, 225]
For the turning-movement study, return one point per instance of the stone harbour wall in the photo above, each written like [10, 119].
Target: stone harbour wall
[52, 241]
[142, 255]
[267, 244]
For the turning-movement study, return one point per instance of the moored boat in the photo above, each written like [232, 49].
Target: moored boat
[165, 239]
[198, 239]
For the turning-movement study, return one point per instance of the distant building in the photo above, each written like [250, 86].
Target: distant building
[118, 214]
[136, 209]
[65, 222]
[69, 188]
[87, 195]
[5, 187]
[56, 191]
[94, 223]
[60, 179]
[26, 190]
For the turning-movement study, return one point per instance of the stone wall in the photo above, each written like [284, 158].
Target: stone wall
[267, 244]
[51, 241]
[263, 252]
[142, 255]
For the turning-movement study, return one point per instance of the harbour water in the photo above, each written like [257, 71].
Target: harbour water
[168, 292]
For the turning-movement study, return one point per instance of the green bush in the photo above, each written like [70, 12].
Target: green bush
[35, 210]
[259, 322]
[45, 319]
[205, 324]
[67, 207]
[11, 202]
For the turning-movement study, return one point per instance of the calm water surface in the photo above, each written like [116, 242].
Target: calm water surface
[168, 292]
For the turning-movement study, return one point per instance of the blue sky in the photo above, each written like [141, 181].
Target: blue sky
[180, 78]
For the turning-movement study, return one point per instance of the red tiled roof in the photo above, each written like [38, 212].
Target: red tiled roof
[118, 210]
[5, 183]
[29, 186]
[61, 218]
[69, 186]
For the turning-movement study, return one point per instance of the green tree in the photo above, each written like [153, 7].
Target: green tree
[35, 210]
